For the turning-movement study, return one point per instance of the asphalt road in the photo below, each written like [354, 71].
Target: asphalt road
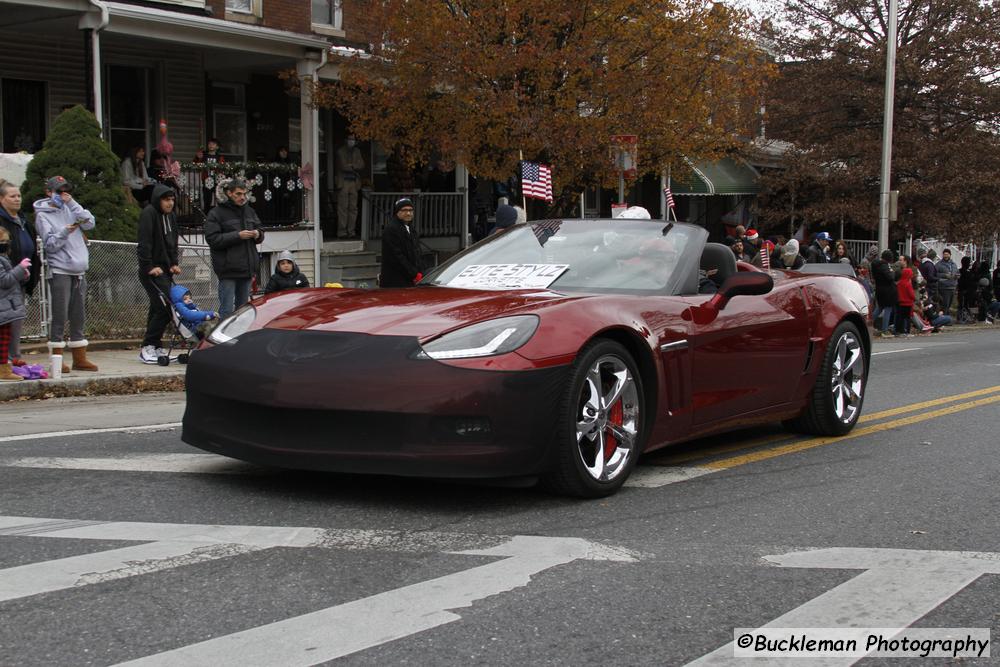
[127, 545]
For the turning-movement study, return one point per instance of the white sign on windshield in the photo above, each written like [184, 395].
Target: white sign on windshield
[508, 276]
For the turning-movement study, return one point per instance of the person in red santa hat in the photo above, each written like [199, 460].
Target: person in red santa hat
[751, 242]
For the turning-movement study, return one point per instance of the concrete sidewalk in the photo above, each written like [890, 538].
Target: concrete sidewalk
[120, 372]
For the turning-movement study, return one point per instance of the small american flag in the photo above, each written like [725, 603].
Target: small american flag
[670, 197]
[765, 258]
[536, 181]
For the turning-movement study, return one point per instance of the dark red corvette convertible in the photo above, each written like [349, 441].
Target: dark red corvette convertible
[559, 350]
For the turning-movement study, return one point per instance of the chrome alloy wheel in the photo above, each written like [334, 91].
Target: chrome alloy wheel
[847, 377]
[607, 423]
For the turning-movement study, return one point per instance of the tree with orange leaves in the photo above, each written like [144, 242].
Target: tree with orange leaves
[481, 80]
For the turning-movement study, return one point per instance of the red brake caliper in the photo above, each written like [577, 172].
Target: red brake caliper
[615, 416]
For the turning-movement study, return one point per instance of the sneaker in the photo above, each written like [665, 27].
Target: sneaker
[148, 354]
[162, 352]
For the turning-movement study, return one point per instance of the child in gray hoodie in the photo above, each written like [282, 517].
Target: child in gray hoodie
[59, 220]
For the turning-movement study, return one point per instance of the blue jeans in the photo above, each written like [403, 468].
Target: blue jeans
[233, 293]
[885, 312]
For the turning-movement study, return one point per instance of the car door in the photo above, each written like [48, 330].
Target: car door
[748, 356]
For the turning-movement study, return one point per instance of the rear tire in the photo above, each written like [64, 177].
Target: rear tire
[837, 396]
[163, 360]
[182, 358]
[599, 430]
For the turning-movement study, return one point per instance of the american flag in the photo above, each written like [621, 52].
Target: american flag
[536, 181]
[765, 257]
[670, 197]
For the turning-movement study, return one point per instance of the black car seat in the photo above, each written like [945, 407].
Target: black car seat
[718, 256]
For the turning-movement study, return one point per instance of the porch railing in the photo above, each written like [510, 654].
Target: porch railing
[436, 214]
[276, 191]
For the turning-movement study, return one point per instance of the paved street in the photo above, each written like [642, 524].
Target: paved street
[127, 546]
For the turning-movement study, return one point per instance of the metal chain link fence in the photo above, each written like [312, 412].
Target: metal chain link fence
[117, 304]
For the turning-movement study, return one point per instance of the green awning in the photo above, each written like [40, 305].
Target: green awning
[728, 176]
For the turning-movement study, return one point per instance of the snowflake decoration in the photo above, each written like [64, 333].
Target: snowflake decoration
[267, 194]
[258, 179]
[291, 185]
[277, 181]
[209, 182]
[298, 184]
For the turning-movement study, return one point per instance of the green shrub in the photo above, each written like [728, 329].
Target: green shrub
[75, 150]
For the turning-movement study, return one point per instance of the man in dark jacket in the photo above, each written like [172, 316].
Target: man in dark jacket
[22, 245]
[233, 232]
[157, 251]
[816, 252]
[928, 270]
[400, 249]
[886, 296]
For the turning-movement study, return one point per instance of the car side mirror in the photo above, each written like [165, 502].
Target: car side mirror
[744, 283]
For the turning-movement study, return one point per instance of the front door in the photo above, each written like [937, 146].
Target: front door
[127, 108]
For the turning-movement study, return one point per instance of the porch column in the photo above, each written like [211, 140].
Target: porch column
[462, 185]
[307, 72]
[92, 24]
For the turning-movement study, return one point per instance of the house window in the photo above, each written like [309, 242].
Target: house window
[248, 7]
[327, 13]
[23, 113]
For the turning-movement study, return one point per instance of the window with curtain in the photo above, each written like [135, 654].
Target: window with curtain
[327, 12]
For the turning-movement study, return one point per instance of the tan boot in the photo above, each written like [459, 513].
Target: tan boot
[79, 349]
[7, 375]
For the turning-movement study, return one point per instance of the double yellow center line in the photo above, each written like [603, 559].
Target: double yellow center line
[961, 402]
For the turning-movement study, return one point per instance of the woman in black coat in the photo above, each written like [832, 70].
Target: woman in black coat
[886, 296]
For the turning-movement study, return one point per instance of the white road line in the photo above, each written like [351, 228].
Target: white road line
[651, 477]
[211, 464]
[88, 431]
[102, 566]
[334, 632]
[905, 349]
[643, 477]
[897, 588]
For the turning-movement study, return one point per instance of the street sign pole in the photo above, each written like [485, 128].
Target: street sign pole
[890, 86]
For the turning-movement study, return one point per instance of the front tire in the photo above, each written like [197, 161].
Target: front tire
[600, 429]
[839, 392]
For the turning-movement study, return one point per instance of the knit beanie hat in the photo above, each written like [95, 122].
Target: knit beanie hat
[506, 216]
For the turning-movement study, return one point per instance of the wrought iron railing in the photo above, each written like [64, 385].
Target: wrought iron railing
[276, 192]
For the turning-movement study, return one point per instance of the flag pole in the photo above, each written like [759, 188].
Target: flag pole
[670, 209]
[520, 168]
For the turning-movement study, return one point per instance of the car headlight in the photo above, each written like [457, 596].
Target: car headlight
[485, 339]
[233, 326]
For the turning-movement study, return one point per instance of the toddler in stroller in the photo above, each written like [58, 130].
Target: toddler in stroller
[190, 325]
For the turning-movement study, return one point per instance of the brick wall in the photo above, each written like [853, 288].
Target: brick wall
[292, 15]
[218, 8]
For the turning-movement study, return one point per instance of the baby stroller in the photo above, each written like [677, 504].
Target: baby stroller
[182, 337]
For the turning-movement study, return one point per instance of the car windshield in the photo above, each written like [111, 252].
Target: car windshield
[618, 256]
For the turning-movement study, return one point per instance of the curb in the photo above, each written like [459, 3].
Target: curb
[111, 385]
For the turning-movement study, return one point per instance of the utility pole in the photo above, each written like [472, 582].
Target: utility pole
[890, 89]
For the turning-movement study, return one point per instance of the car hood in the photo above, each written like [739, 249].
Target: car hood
[422, 311]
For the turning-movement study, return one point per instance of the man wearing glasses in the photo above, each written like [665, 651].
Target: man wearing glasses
[400, 248]
[233, 232]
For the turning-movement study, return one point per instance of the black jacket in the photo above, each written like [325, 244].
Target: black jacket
[400, 255]
[22, 234]
[816, 255]
[282, 281]
[157, 234]
[885, 283]
[233, 257]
